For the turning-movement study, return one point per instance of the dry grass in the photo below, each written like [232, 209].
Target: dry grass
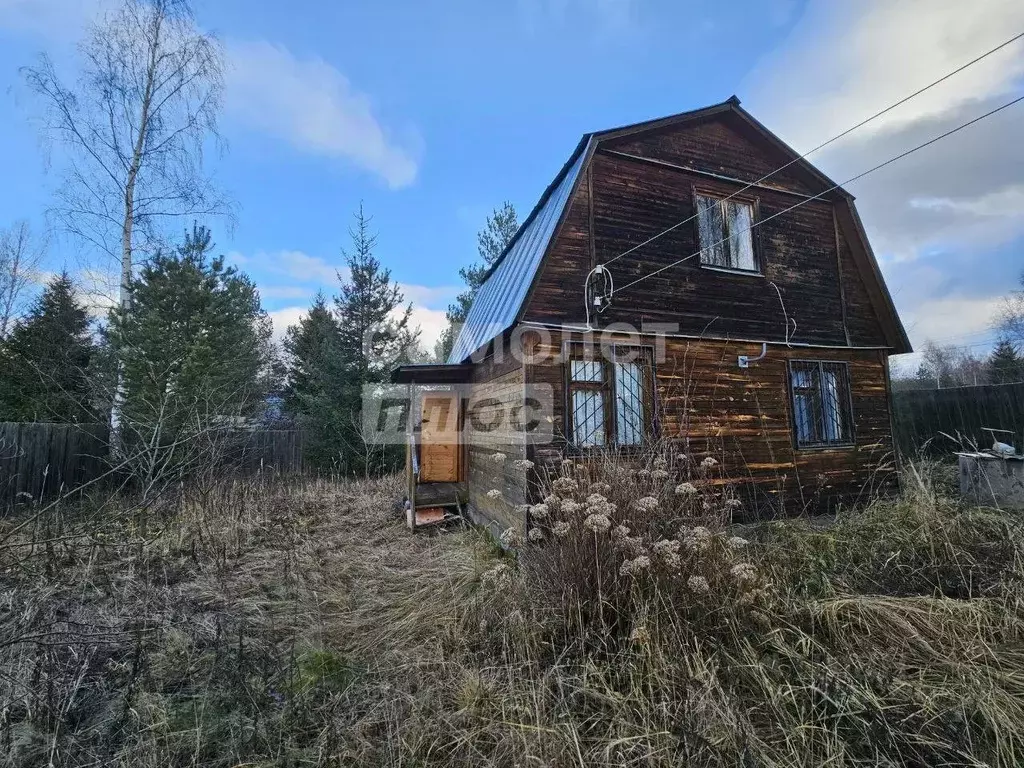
[298, 623]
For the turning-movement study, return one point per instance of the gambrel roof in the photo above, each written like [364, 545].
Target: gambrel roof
[500, 301]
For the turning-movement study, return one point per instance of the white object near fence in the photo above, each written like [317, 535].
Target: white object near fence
[992, 481]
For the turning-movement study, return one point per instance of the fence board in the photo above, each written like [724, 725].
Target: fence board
[924, 415]
[42, 459]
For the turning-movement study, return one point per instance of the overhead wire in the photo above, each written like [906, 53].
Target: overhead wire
[821, 194]
[824, 144]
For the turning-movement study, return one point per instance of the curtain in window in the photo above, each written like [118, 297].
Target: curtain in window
[588, 417]
[629, 403]
[741, 237]
[711, 229]
[821, 403]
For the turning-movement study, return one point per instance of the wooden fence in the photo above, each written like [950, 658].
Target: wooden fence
[922, 418]
[42, 459]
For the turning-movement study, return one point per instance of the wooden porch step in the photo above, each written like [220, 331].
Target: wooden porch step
[440, 495]
[427, 516]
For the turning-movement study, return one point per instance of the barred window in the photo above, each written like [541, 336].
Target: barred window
[609, 401]
[725, 229]
[822, 413]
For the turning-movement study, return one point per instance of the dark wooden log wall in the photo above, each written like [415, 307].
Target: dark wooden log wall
[501, 380]
[708, 406]
[621, 201]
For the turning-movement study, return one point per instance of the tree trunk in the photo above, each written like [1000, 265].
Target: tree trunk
[128, 225]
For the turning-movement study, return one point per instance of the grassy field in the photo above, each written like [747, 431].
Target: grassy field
[295, 623]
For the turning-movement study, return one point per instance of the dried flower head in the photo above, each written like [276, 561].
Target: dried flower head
[620, 532]
[686, 489]
[539, 511]
[698, 584]
[561, 529]
[709, 463]
[498, 457]
[494, 493]
[554, 503]
[744, 573]
[643, 474]
[571, 507]
[660, 475]
[661, 463]
[536, 535]
[737, 542]
[681, 457]
[647, 504]
[598, 523]
[697, 539]
[524, 465]
[511, 538]
[733, 504]
[635, 566]
[496, 576]
[564, 485]
[600, 488]
[665, 546]
[596, 500]
[522, 509]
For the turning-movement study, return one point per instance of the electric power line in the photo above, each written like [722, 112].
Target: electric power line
[818, 196]
[835, 138]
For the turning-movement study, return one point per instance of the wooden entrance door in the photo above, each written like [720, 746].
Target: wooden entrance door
[439, 438]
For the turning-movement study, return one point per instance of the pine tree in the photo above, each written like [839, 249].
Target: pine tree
[492, 241]
[312, 394]
[375, 333]
[194, 344]
[45, 360]
[1005, 364]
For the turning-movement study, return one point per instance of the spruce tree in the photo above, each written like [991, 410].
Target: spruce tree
[44, 363]
[1005, 364]
[312, 393]
[193, 345]
[375, 335]
[492, 240]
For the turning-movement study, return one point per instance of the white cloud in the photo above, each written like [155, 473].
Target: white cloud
[845, 61]
[312, 105]
[297, 266]
[284, 292]
[431, 322]
[429, 295]
[952, 318]
[949, 204]
[282, 318]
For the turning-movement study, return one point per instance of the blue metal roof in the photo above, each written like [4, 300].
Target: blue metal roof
[500, 298]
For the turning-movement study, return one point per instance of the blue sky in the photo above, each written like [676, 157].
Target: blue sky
[431, 113]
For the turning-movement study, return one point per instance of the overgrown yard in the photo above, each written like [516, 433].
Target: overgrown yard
[292, 623]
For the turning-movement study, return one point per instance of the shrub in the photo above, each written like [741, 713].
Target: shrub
[873, 639]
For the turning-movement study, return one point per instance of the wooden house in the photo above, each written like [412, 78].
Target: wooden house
[757, 325]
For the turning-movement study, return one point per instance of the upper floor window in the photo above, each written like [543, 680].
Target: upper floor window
[822, 413]
[726, 234]
[609, 401]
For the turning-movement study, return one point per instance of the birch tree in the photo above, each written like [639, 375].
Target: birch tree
[130, 132]
[20, 257]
